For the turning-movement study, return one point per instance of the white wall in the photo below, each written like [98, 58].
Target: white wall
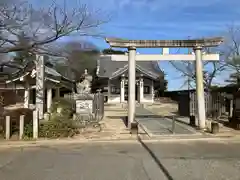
[147, 98]
[115, 98]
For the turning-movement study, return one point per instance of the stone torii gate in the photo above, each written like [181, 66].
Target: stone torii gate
[198, 56]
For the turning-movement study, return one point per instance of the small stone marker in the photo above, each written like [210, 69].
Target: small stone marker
[214, 127]
[134, 128]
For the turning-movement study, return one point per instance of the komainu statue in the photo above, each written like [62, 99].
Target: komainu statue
[84, 87]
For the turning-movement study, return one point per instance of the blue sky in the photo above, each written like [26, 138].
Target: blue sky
[164, 19]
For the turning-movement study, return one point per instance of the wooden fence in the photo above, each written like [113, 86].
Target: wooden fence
[214, 102]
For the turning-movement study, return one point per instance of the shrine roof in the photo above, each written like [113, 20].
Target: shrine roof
[15, 71]
[111, 69]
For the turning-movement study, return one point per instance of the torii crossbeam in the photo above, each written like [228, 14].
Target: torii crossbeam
[198, 56]
[162, 57]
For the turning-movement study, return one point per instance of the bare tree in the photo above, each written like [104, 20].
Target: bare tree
[231, 48]
[229, 60]
[79, 56]
[231, 53]
[211, 69]
[41, 27]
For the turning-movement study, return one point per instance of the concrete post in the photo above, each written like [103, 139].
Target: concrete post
[131, 84]
[141, 88]
[26, 96]
[49, 99]
[8, 128]
[152, 91]
[200, 89]
[109, 90]
[231, 108]
[35, 124]
[21, 127]
[40, 89]
[122, 90]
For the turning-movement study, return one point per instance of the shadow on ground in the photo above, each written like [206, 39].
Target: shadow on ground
[230, 125]
[123, 118]
[160, 119]
[156, 160]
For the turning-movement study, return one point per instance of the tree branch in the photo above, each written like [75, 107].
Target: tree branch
[44, 26]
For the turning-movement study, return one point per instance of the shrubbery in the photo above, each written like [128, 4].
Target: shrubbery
[66, 105]
[59, 124]
[28, 131]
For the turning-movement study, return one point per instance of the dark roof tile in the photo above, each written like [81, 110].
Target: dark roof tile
[108, 67]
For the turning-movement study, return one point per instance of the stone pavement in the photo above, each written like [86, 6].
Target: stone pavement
[156, 125]
[114, 129]
[163, 109]
[114, 119]
[112, 125]
[170, 109]
[138, 161]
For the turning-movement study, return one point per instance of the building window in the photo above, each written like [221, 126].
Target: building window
[146, 90]
[115, 90]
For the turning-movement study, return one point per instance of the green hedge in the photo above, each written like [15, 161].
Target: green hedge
[59, 124]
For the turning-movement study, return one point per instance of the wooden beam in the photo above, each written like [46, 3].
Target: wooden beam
[20, 78]
[164, 57]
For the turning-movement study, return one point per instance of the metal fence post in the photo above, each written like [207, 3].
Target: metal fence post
[97, 104]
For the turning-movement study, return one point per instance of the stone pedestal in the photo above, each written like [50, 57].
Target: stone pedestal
[84, 106]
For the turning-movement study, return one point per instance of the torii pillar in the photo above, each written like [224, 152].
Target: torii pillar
[131, 84]
[199, 88]
[196, 44]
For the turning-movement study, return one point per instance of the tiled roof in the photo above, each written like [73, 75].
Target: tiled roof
[110, 68]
